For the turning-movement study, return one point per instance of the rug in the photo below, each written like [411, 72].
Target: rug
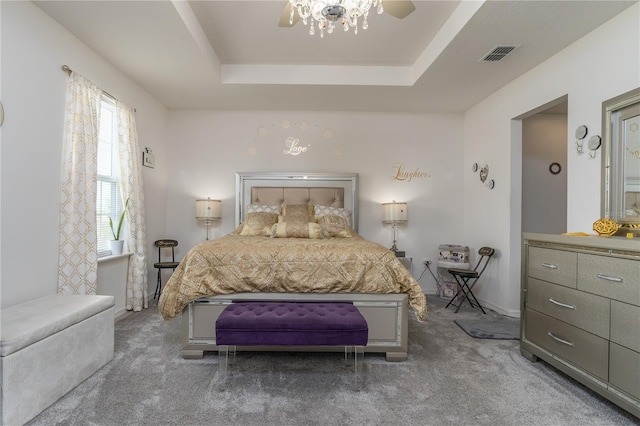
[502, 329]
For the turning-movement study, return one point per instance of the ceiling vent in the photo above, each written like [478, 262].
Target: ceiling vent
[498, 53]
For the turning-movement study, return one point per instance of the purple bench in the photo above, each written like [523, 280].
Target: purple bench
[291, 324]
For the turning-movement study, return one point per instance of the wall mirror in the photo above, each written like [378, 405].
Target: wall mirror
[621, 158]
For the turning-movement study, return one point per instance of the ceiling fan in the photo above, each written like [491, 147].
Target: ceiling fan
[397, 8]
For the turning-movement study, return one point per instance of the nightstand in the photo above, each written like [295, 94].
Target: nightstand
[407, 262]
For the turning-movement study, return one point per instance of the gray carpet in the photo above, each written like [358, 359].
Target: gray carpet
[501, 328]
[448, 379]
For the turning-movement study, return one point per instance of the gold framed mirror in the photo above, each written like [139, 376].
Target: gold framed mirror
[621, 159]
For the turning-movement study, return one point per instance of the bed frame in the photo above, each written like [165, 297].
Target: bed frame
[386, 314]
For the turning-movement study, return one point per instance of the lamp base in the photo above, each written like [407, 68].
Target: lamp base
[400, 253]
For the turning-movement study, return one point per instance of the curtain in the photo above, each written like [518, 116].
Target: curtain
[131, 188]
[78, 258]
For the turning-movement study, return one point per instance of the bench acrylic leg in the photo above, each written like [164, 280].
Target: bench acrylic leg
[358, 357]
[358, 363]
[226, 356]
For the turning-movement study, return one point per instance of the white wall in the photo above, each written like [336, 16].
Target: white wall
[597, 67]
[34, 47]
[209, 147]
[544, 195]
[206, 148]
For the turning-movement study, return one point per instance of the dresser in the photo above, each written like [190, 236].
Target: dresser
[580, 311]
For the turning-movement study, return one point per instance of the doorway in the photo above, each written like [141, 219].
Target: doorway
[544, 174]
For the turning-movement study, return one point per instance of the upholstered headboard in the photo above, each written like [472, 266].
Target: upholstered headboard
[327, 189]
[276, 195]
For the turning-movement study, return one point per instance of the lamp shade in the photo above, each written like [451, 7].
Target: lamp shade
[394, 212]
[208, 209]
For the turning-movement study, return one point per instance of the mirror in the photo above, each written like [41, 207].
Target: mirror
[621, 158]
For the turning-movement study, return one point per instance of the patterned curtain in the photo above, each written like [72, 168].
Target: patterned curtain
[78, 258]
[131, 186]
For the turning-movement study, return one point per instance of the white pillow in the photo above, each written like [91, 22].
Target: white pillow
[320, 211]
[259, 208]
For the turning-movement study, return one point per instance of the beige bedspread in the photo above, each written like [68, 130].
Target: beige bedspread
[238, 264]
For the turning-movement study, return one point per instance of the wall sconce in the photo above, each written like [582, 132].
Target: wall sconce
[208, 210]
[395, 213]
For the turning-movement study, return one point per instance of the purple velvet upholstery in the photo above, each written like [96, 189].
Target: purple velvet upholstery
[291, 324]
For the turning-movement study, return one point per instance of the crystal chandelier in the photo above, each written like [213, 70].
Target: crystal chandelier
[329, 13]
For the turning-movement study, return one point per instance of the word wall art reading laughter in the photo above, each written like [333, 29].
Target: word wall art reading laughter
[402, 173]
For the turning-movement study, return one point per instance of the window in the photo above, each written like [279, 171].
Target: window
[108, 200]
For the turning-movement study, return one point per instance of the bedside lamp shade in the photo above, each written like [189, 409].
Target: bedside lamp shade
[208, 210]
[394, 212]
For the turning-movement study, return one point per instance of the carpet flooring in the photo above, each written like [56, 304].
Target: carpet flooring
[449, 378]
[501, 329]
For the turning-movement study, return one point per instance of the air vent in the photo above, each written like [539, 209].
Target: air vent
[498, 53]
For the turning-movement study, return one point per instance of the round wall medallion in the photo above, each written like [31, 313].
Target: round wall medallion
[474, 167]
[491, 184]
[555, 168]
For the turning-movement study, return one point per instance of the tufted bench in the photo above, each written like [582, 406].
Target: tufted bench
[50, 345]
[291, 324]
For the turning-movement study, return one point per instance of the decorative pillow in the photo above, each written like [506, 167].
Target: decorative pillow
[258, 208]
[296, 230]
[335, 226]
[258, 223]
[298, 212]
[297, 209]
[320, 211]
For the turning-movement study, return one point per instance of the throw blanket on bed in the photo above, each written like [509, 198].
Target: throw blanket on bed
[240, 264]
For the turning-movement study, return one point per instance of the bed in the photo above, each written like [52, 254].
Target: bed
[295, 240]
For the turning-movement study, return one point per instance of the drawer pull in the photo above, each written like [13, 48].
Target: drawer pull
[565, 342]
[564, 305]
[610, 278]
[550, 265]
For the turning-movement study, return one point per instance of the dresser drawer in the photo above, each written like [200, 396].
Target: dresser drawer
[556, 266]
[583, 349]
[611, 277]
[583, 310]
[625, 325]
[624, 372]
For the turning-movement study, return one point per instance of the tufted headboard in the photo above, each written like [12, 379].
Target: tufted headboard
[327, 189]
[273, 196]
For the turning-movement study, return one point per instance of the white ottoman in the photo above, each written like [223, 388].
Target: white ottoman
[48, 346]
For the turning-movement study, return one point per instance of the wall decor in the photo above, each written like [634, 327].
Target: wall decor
[484, 173]
[474, 167]
[401, 173]
[293, 138]
[148, 160]
[555, 168]
[491, 184]
[581, 133]
[293, 146]
[262, 131]
[594, 144]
